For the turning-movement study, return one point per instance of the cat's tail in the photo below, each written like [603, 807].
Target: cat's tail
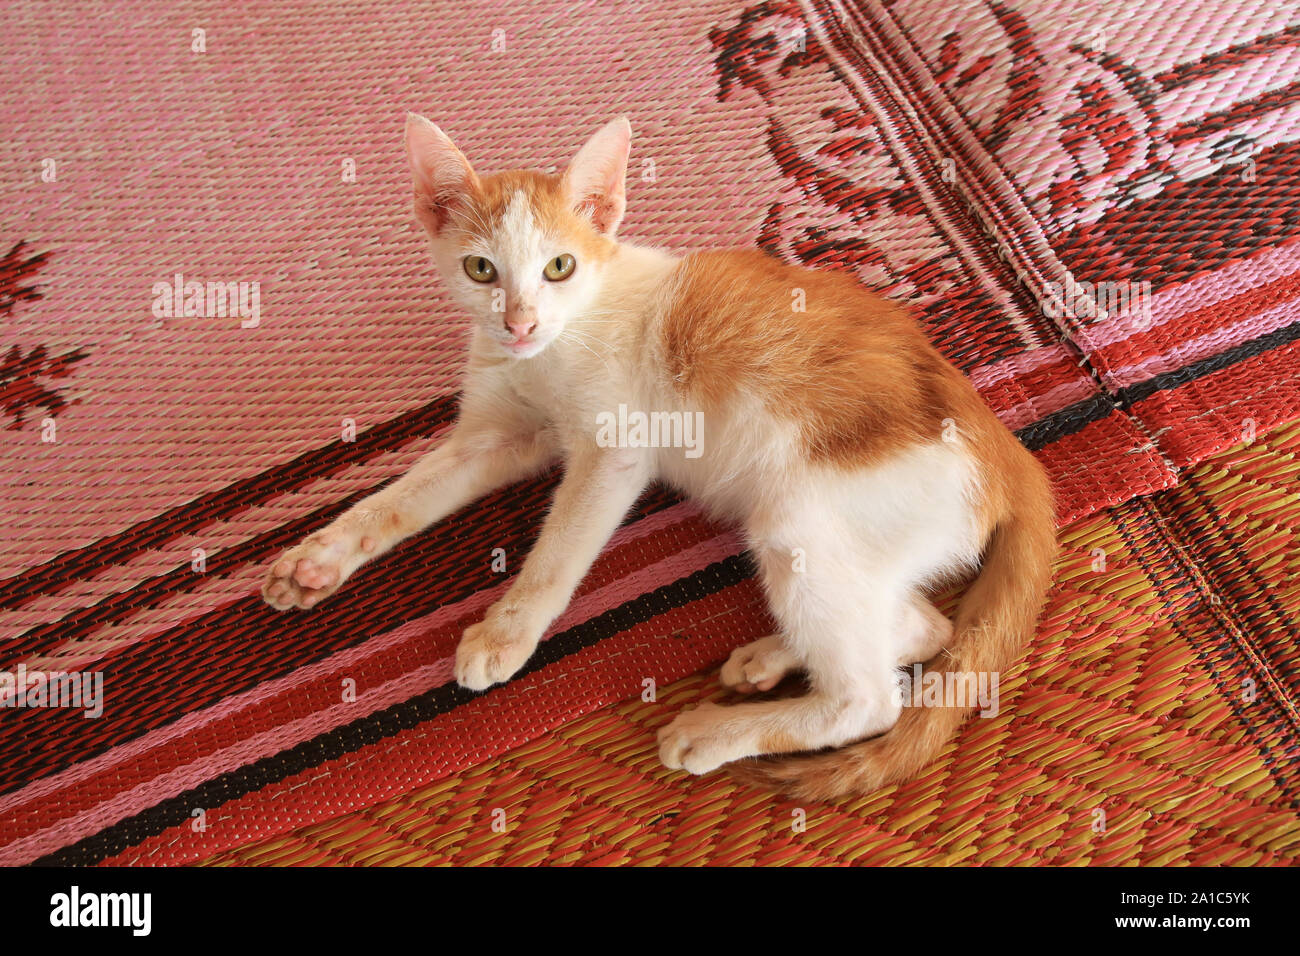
[994, 621]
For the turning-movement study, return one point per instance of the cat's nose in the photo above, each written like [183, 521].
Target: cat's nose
[520, 326]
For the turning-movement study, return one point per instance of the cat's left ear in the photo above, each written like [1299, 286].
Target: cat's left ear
[595, 178]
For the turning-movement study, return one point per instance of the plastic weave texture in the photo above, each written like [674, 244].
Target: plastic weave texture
[1091, 207]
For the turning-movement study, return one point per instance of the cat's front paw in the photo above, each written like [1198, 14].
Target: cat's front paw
[309, 572]
[490, 652]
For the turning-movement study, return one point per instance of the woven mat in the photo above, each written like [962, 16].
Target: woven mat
[965, 157]
[1133, 701]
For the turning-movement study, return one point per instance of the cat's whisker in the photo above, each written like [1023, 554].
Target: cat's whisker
[564, 335]
[583, 332]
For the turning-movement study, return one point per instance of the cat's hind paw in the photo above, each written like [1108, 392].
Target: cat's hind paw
[758, 666]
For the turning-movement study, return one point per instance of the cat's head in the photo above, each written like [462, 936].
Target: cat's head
[522, 251]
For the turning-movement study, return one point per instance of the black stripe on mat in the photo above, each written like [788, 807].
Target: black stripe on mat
[390, 721]
[1238, 353]
[1078, 416]
[1066, 421]
[191, 516]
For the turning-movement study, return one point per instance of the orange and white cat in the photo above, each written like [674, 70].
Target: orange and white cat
[861, 466]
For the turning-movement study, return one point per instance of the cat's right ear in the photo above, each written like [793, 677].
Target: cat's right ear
[443, 176]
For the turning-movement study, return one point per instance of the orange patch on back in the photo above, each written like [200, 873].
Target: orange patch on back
[850, 369]
[854, 372]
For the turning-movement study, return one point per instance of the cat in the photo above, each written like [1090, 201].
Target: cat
[861, 466]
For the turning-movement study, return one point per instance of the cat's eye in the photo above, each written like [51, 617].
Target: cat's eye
[561, 267]
[480, 269]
